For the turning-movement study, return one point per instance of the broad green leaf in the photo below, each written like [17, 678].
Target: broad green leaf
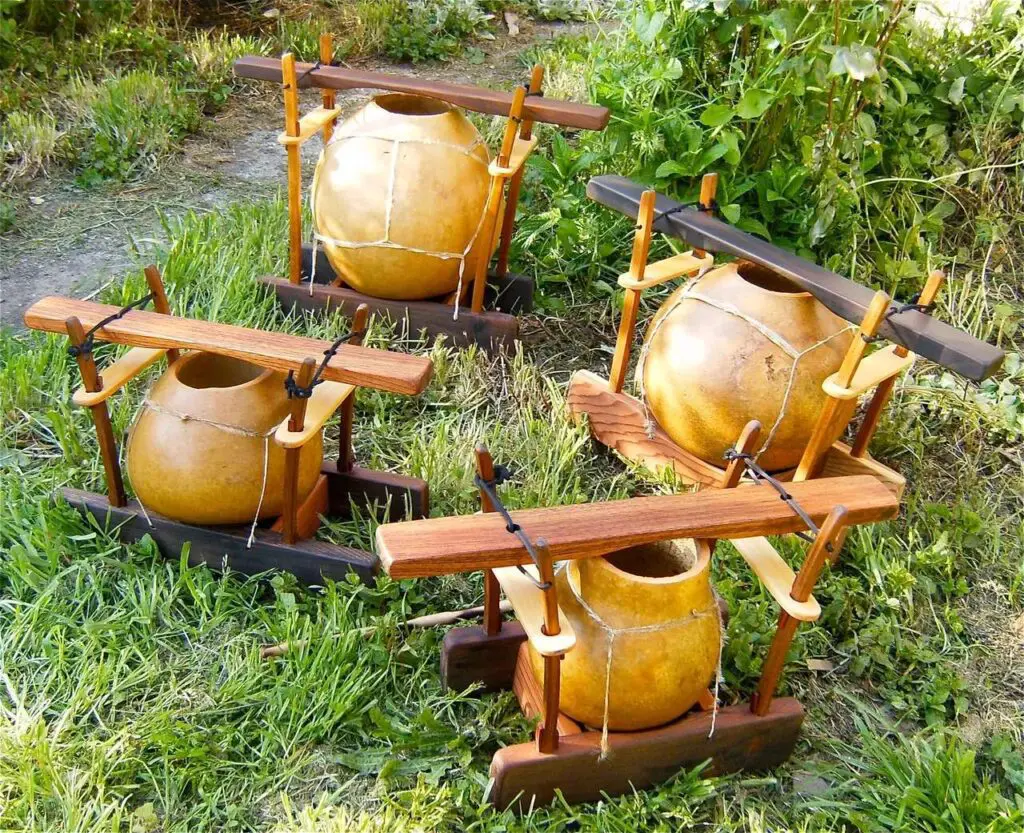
[672, 168]
[956, 91]
[753, 104]
[647, 28]
[731, 212]
[711, 154]
[716, 115]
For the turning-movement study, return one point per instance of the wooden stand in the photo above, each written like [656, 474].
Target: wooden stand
[566, 757]
[620, 421]
[492, 298]
[286, 543]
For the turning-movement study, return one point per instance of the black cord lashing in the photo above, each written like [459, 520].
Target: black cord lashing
[310, 69]
[761, 476]
[489, 488]
[297, 391]
[899, 309]
[86, 346]
[710, 208]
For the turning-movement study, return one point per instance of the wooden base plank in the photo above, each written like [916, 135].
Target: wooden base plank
[310, 561]
[524, 777]
[405, 497]
[618, 421]
[469, 655]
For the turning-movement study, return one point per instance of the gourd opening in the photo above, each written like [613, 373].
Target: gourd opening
[402, 104]
[209, 370]
[766, 279]
[661, 560]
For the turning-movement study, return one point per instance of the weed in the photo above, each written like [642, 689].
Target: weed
[29, 141]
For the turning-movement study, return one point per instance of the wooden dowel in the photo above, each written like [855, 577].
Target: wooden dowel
[512, 202]
[160, 302]
[327, 95]
[346, 451]
[291, 455]
[494, 201]
[547, 736]
[631, 301]
[748, 438]
[880, 398]
[100, 416]
[803, 585]
[834, 410]
[492, 590]
[708, 190]
[291, 127]
[546, 572]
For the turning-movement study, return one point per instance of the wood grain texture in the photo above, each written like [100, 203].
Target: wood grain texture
[307, 515]
[309, 561]
[393, 372]
[470, 657]
[923, 334]
[530, 695]
[776, 576]
[439, 546]
[881, 365]
[490, 330]
[117, 374]
[528, 602]
[404, 496]
[477, 99]
[523, 777]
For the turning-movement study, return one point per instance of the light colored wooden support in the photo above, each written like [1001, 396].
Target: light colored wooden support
[631, 301]
[881, 396]
[118, 374]
[326, 399]
[708, 190]
[529, 602]
[327, 95]
[777, 577]
[309, 125]
[521, 151]
[512, 202]
[289, 514]
[494, 196]
[291, 129]
[160, 302]
[836, 413]
[669, 269]
[831, 532]
[881, 365]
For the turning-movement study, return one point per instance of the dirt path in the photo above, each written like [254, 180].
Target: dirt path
[74, 241]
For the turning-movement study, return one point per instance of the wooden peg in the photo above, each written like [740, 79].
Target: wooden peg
[492, 590]
[547, 736]
[160, 302]
[515, 117]
[511, 203]
[837, 413]
[880, 398]
[631, 301]
[327, 94]
[346, 452]
[100, 416]
[291, 128]
[828, 537]
[291, 455]
[708, 190]
[749, 436]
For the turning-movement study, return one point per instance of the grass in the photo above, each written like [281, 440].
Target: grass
[132, 696]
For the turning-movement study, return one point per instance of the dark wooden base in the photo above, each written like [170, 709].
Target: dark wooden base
[618, 421]
[468, 656]
[524, 777]
[311, 561]
[495, 328]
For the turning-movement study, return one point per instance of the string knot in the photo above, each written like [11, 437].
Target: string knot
[85, 348]
[297, 391]
[898, 309]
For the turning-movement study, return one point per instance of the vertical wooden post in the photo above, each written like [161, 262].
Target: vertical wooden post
[547, 736]
[100, 416]
[346, 453]
[708, 189]
[291, 128]
[880, 398]
[494, 200]
[748, 438]
[291, 456]
[492, 590]
[160, 302]
[631, 301]
[838, 411]
[327, 95]
[831, 531]
[511, 203]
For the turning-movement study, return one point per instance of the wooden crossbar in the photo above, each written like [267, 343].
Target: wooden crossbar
[438, 546]
[477, 99]
[364, 366]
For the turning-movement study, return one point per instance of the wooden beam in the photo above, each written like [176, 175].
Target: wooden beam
[927, 336]
[381, 369]
[477, 99]
[439, 546]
